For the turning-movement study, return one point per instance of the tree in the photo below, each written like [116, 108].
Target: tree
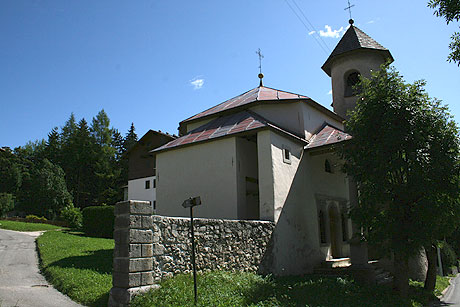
[450, 10]
[404, 157]
[6, 203]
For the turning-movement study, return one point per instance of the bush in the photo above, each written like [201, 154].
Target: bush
[98, 221]
[36, 219]
[6, 203]
[72, 216]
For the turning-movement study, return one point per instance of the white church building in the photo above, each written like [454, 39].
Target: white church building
[268, 154]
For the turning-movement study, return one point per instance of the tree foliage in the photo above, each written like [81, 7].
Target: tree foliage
[404, 157]
[450, 10]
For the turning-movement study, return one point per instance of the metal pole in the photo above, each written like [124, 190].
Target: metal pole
[193, 253]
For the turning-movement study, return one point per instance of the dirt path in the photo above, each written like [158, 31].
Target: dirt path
[21, 283]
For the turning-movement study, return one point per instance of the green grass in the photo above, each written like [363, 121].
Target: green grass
[247, 289]
[22, 226]
[78, 266]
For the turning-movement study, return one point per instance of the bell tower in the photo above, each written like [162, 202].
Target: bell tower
[356, 54]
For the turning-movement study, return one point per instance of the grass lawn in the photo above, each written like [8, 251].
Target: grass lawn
[80, 267]
[22, 226]
[246, 289]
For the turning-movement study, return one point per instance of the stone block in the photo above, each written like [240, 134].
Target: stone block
[141, 207]
[135, 250]
[140, 236]
[119, 297]
[147, 222]
[122, 221]
[140, 265]
[135, 221]
[121, 265]
[121, 236]
[158, 249]
[126, 280]
[122, 207]
[147, 278]
[147, 250]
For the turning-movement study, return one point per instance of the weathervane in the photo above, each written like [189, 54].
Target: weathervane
[349, 10]
[261, 56]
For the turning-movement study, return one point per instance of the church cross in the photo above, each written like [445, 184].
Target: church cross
[349, 7]
[261, 56]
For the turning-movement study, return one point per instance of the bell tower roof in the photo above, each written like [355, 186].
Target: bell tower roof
[354, 39]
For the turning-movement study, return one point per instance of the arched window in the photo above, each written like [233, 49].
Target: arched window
[322, 226]
[351, 80]
[327, 166]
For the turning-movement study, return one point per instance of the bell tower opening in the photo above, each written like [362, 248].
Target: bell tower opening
[351, 79]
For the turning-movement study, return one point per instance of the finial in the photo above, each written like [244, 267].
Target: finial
[261, 76]
[351, 21]
[349, 10]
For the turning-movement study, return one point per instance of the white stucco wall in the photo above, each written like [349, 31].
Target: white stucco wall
[207, 170]
[137, 190]
[266, 191]
[287, 115]
[314, 119]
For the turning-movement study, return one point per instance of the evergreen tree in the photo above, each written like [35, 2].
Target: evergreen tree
[53, 146]
[130, 139]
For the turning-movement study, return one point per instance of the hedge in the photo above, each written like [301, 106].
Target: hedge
[98, 221]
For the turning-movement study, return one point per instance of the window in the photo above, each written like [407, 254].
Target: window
[154, 204]
[351, 80]
[344, 228]
[147, 184]
[327, 166]
[286, 155]
[322, 227]
[154, 183]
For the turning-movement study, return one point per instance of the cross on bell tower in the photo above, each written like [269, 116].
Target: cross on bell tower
[349, 10]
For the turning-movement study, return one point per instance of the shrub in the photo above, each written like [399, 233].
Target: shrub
[72, 216]
[98, 221]
[6, 203]
[36, 219]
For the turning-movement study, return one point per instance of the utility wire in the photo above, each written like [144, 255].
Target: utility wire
[306, 27]
[314, 29]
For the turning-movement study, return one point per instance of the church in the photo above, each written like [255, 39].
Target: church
[268, 154]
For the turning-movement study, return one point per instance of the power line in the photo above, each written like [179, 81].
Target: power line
[306, 27]
[301, 11]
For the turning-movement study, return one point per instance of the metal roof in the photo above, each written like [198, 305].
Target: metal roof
[260, 93]
[224, 126]
[327, 135]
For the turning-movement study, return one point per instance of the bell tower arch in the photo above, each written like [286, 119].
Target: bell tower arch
[356, 54]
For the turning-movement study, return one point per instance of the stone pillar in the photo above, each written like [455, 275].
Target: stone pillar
[133, 252]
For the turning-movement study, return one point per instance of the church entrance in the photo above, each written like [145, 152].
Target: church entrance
[335, 232]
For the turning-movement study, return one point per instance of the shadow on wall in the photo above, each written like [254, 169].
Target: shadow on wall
[291, 247]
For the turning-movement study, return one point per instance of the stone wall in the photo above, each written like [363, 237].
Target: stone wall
[151, 247]
[231, 245]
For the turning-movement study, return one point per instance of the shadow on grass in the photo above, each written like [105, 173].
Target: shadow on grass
[99, 261]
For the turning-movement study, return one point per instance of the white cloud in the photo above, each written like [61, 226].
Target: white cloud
[197, 83]
[371, 21]
[311, 32]
[329, 93]
[331, 33]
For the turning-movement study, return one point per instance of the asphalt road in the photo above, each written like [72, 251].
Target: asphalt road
[21, 283]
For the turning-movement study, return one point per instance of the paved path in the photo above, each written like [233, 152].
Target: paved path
[21, 284]
[452, 296]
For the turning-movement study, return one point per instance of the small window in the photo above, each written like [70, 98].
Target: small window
[286, 155]
[322, 227]
[154, 183]
[327, 166]
[154, 204]
[344, 227]
[147, 184]
[351, 80]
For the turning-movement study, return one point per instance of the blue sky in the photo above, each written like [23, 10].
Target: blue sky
[156, 63]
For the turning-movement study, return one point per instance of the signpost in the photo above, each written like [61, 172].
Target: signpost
[190, 203]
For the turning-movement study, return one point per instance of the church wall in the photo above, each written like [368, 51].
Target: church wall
[247, 178]
[287, 115]
[137, 190]
[199, 123]
[264, 159]
[207, 170]
[314, 119]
